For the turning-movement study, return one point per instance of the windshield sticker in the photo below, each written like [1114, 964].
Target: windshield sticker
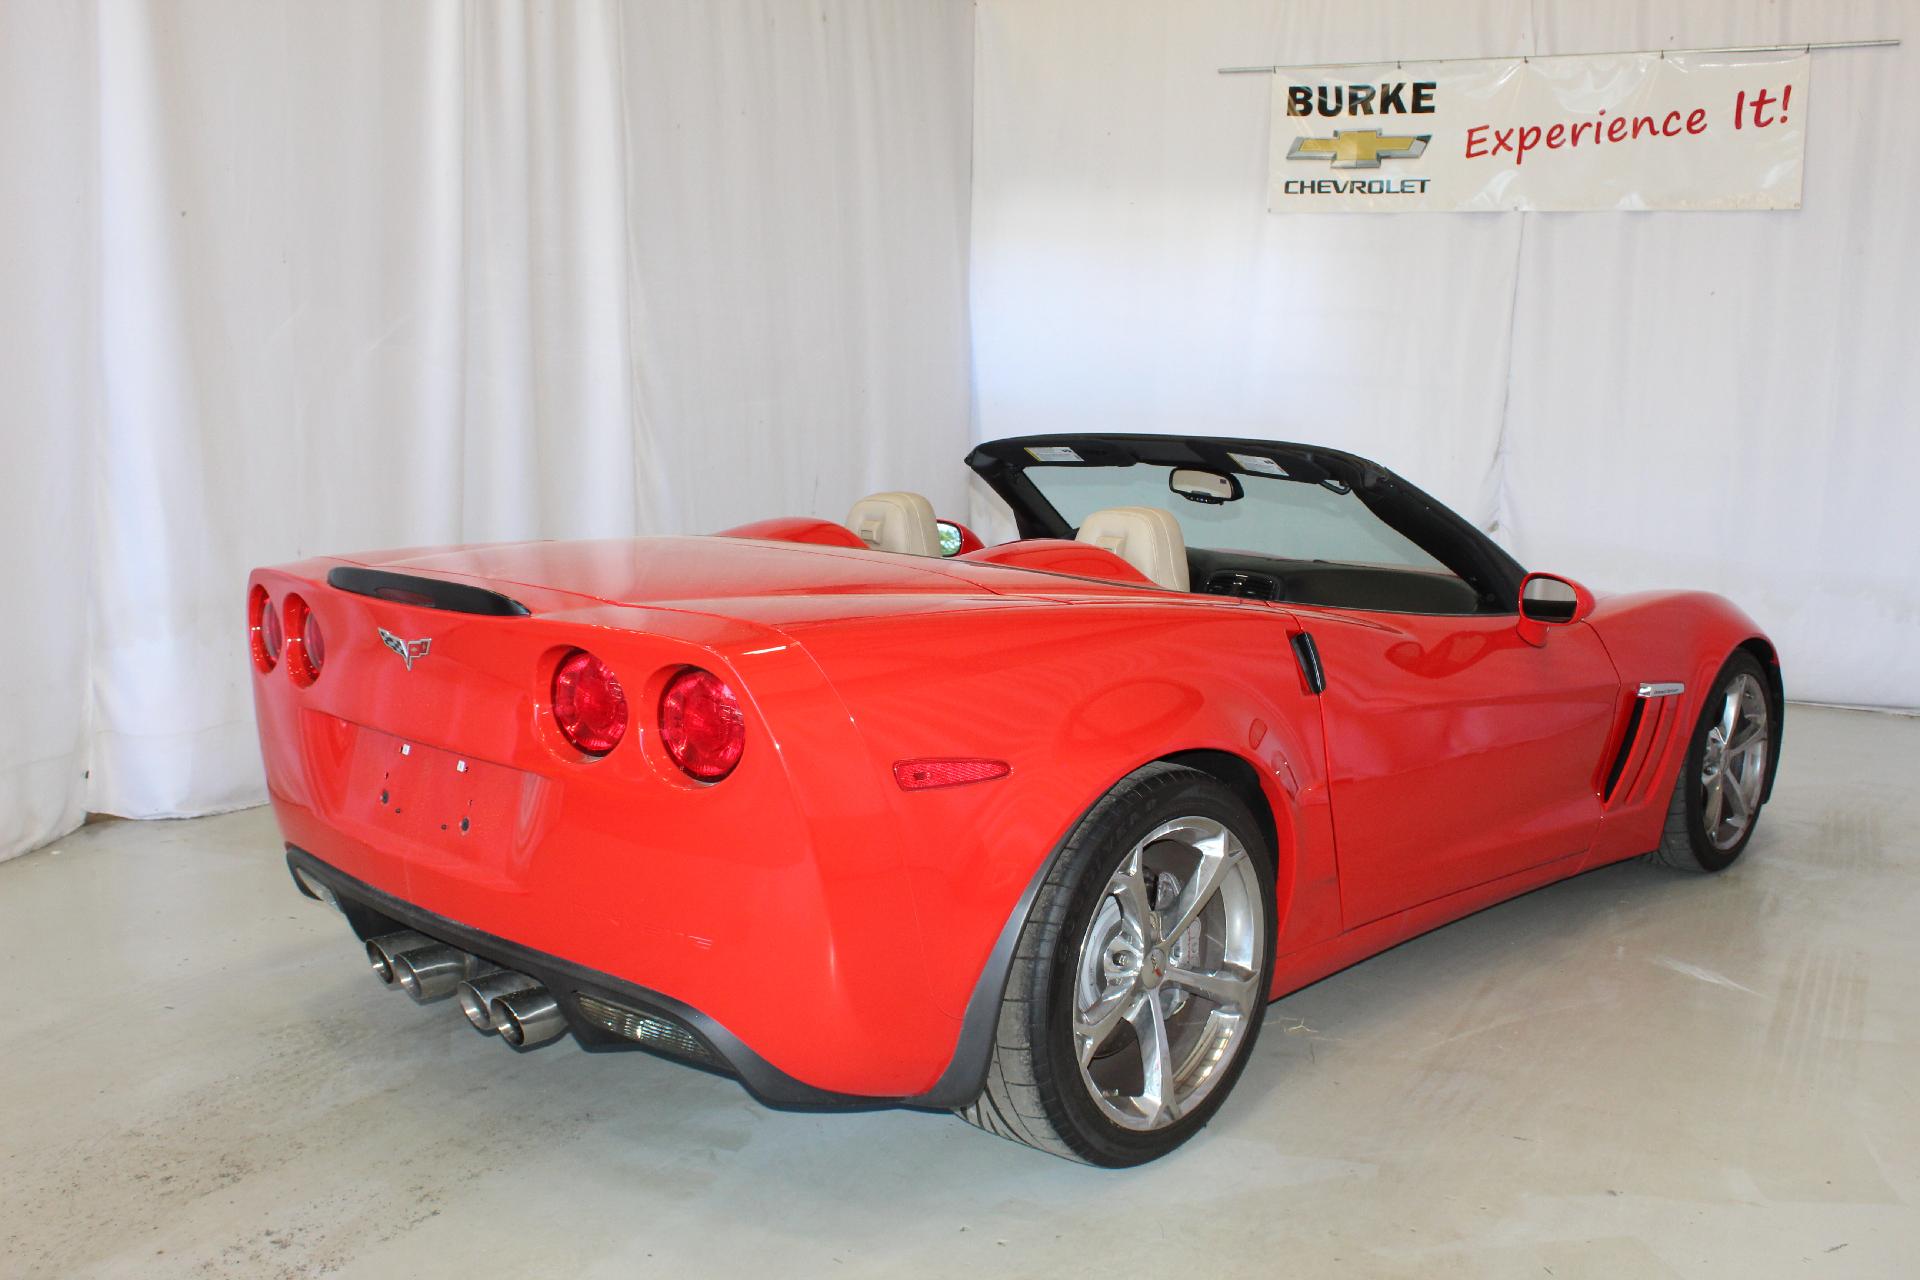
[1054, 453]
[1258, 465]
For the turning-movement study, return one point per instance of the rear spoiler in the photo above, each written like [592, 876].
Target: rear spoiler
[425, 593]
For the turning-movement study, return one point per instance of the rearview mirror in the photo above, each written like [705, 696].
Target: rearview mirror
[1210, 487]
[1548, 600]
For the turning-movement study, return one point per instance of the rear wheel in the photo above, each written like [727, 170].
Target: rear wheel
[1717, 798]
[1140, 976]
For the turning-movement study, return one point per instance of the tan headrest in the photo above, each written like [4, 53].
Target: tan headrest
[901, 522]
[1147, 538]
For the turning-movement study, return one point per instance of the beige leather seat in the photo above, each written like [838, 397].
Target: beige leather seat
[901, 522]
[1147, 538]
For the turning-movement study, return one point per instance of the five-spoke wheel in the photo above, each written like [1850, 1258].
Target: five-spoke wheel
[1140, 975]
[1169, 972]
[1733, 767]
[1723, 781]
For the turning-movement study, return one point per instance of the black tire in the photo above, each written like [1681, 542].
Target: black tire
[1685, 844]
[1035, 1092]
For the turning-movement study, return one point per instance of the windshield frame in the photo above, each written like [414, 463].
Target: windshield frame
[1415, 515]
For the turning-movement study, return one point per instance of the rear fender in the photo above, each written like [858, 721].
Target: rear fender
[1074, 698]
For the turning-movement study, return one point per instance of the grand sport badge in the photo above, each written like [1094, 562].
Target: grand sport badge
[1360, 148]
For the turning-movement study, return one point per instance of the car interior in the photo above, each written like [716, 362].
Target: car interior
[1151, 542]
[896, 521]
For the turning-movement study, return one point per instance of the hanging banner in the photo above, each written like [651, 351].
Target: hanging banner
[1607, 131]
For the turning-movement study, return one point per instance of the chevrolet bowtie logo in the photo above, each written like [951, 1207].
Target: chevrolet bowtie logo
[1359, 148]
[409, 650]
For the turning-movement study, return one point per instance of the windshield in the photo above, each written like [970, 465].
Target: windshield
[1291, 519]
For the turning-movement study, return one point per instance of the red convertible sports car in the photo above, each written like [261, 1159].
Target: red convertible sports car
[868, 814]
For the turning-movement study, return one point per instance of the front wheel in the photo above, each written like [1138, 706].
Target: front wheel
[1140, 977]
[1723, 779]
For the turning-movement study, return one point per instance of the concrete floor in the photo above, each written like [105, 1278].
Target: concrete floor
[1629, 1074]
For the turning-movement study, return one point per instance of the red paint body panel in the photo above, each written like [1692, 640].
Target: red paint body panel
[1682, 636]
[796, 529]
[839, 925]
[1060, 555]
[1461, 753]
[759, 885]
[1076, 698]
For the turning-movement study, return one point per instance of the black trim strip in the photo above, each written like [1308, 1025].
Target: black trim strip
[424, 593]
[372, 912]
[965, 1078]
[1307, 654]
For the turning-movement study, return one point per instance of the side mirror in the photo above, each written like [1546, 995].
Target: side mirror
[1546, 601]
[956, 538]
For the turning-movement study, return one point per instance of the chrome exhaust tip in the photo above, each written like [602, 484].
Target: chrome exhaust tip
[528, 1018]
[429, 972]
[315, 888]
[477, 995]
[382, 950]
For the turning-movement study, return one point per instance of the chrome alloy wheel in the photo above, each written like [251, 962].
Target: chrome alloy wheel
[1166, 983]
[1733, 768]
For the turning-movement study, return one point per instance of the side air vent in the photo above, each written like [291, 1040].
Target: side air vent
[1251, 586]
[1627, 741]
[1650, 730]
[424, 593]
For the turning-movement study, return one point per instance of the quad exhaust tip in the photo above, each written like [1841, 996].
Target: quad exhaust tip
[316, 888]
[478, 993]
[528, 1018]
[429, 972]
[523, 1012]
[382, 950]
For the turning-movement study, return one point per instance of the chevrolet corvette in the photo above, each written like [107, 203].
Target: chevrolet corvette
[869, 814]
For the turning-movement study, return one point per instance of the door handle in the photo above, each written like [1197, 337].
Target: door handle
[1307, 654]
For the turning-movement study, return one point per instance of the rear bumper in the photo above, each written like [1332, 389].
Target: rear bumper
[708, 1045]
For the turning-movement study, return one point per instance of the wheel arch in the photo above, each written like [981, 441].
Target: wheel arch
[1763, 652]
[966, 1071]
[1240, 776]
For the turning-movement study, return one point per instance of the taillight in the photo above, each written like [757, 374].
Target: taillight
[263, 628]
[701, 724]
[313, 642]
[588, 703]
[305, 648]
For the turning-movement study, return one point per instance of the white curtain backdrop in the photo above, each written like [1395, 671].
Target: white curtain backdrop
[1719, 400]
[279, 278]
[283, 278]
[49, 414]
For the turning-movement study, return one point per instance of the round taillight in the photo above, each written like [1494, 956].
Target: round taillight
[588, 703]
[313, 642]
[701, 725]
[305, 648]
[263, 628]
